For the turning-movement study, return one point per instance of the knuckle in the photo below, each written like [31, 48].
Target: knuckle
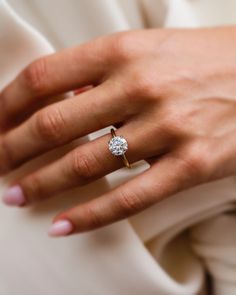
[94, 219]
[142, 84]
[123, 46]
[50, 125]
[195, 160]
[82, 166]
[147, 85]
[35, 76]
[172, 121]
[130, 202]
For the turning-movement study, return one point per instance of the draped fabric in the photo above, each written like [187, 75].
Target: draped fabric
[168, 248]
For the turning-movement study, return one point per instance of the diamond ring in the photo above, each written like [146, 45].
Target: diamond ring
[118, 145]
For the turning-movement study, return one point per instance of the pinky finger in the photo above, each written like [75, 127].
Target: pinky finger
[164, 178]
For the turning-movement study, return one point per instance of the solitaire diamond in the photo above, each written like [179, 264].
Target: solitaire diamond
[118, 145]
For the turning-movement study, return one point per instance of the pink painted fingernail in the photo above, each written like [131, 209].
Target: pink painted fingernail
[60, 228]
[14, 196]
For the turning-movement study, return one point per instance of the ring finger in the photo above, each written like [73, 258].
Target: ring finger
[84, 164]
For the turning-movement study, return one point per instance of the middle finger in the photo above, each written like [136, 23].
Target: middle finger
[82, 165]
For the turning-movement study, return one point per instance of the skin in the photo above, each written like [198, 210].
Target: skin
[172, 94]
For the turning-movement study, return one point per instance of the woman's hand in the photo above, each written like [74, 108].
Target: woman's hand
[172, 94]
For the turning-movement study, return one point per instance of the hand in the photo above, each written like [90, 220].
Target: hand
[172, 94]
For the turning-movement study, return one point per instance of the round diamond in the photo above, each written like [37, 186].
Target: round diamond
[118, 145]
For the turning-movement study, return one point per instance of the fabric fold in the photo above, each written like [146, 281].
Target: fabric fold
[163, 250]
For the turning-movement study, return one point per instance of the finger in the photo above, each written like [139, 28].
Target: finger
[62, 122]
[165, 178]
[51, 75]
[83, 165]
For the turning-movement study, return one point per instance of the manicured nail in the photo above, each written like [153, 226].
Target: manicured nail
[14, 196]
[60, 228]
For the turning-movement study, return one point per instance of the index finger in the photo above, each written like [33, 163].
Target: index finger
[52, 75]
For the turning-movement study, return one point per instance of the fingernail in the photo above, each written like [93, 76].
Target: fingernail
[60, 228]
[14, 196]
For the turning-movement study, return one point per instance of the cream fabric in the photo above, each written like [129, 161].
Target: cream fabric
[163, 250]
